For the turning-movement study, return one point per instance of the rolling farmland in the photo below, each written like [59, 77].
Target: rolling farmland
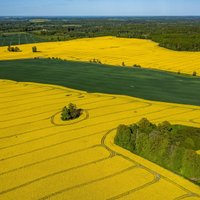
[99, 103]
[42, 158]
[114, 51]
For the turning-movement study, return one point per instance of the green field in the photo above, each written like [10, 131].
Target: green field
[142, 83]
[18, 38]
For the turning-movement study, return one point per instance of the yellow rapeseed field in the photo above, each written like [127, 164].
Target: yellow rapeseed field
[42, 157]
[114, 51]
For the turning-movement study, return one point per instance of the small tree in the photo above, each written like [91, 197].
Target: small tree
[123, 64]
[137, 66]
[16, 49]
[9, 48]
[65, 115]
[72, 110]
[194, 73]
[34, 49]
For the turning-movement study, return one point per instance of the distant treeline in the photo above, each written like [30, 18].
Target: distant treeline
[171, 146]
[177, 33]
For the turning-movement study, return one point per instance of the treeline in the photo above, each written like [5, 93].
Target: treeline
[171, 146]
[177, 33]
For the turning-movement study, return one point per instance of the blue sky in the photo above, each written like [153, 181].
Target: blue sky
[99, 7]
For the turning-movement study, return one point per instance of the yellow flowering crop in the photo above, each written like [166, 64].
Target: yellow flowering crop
[114, 51]
[42, 157]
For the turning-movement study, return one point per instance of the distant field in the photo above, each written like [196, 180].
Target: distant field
[18, 38]
[114, 51]
[39, 20]
[142, 83]
[40, 159]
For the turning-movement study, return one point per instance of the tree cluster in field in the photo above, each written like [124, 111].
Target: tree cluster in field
[97, 61]
[57, 58]
[70, 112]
[171, 146]
[13, 49]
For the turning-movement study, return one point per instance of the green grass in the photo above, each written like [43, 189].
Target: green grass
[142, 83]
[18, 38]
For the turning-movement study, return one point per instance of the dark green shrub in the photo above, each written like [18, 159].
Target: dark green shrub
[194, 73]
[16, 49]
[137, 66]
[34, 49]
[9, 48]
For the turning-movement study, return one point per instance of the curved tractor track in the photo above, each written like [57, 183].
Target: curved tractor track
[41, 160]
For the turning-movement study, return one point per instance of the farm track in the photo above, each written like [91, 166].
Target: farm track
[75, 158]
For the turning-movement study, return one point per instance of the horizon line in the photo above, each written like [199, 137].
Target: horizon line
[99, 15]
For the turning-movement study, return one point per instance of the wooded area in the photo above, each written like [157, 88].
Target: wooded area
[177, 33]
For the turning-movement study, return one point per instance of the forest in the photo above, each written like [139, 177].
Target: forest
[171, 146]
